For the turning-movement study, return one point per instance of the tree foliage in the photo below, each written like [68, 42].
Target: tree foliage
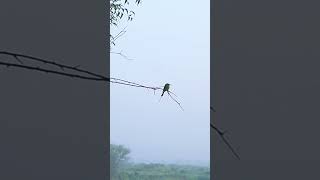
[118, 158]
[119, 10]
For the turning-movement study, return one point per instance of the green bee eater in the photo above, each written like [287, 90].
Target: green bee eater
[165, 88]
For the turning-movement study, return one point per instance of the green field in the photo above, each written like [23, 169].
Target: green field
[162, 172]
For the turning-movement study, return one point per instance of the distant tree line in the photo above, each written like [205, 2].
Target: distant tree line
[122, 169]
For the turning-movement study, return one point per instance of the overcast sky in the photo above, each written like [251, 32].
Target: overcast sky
[169, 42]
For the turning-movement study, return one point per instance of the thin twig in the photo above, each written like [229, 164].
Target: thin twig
[121, 33]
[173, 94]
[221, 134]
[225, 140]
[175, 100]
[121, 54]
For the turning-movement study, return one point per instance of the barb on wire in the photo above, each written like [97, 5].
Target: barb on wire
[221, 134]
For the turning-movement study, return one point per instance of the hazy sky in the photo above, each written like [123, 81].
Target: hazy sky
[170, 43]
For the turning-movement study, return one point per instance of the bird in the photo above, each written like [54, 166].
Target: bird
[165, 88]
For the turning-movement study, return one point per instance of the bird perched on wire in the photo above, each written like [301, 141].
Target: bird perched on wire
[165, 88]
